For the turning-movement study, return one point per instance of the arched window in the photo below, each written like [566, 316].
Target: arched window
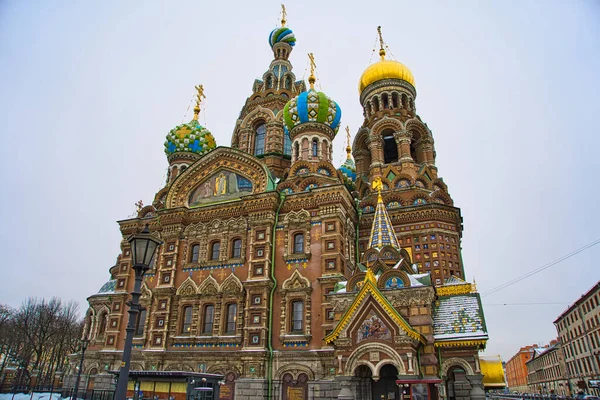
[288, 83]
[414, 151]
[231, 318]
[195, 252]
[215, 249]
[315, 148]
[269, 82]
[186, 326]
[209, 318]
[236, 248]
[297, 151]
[102, 326]
[390, 148]
[139, 323]
[385, 99]
[297, 319]
[259, 139]
[287, 143]
[299, 243]
[395, 100]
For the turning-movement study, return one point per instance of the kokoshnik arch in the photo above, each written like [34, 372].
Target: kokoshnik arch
[290, 276]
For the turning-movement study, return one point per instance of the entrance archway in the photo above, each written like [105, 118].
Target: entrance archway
[386, 387]
[364, 375]
[383, 389]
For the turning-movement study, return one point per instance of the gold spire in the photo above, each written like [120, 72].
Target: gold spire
[283, 15]
[199, 98]
[348, 148]
[381, 49]
[382, 230]
[311, 78]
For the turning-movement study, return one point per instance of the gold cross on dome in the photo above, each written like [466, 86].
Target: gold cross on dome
[381, 49]
[311, 59]
[283, 15]
[199, 96]
[348, 148]
[311, 78]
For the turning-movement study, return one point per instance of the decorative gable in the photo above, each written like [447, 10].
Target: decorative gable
[223, 174]
[369, 291]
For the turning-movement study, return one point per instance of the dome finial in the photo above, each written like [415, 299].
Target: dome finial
[199, 96]
[348, 148]
[381, 49]
[283, 15]
[311, 78]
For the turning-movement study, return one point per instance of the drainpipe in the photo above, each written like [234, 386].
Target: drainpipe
[359, 213]
[420, 375]
[440, 373]
[440, 362]
[271, 294]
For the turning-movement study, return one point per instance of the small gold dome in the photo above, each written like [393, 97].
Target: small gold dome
[385, 69]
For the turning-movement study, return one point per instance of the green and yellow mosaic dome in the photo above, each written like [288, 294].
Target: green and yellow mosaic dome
[189, 138]
[312, 106]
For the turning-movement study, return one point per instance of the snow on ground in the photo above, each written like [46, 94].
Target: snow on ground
[36, 396]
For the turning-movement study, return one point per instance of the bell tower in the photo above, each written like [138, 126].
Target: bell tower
[259, 129]
[395, 148]
[392, 133]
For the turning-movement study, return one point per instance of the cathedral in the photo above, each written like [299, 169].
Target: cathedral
[288, 276]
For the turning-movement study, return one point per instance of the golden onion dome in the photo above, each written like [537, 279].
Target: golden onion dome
[385, 69]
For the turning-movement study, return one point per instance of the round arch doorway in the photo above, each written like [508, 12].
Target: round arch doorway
[385, 388]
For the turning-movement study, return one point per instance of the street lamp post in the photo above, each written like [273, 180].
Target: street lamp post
[143, 248]
[84, 344]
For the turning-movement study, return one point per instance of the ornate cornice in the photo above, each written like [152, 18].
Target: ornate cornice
[312, 127]
[387, 84]
[452, 290]
[460, 343]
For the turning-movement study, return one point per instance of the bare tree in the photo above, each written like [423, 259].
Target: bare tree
[38, 337]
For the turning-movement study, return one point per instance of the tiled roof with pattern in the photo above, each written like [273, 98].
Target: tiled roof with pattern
[459, 317]
[382, 230]
[454, 280]
[108, 287]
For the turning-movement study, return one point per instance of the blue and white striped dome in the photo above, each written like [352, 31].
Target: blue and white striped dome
[282, 34]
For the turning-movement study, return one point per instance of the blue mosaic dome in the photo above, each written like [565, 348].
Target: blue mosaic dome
[312, 106]
[348, 169]
[282, 34]
[191, 137]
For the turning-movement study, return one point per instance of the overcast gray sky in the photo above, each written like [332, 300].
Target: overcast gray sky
[510, 89]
